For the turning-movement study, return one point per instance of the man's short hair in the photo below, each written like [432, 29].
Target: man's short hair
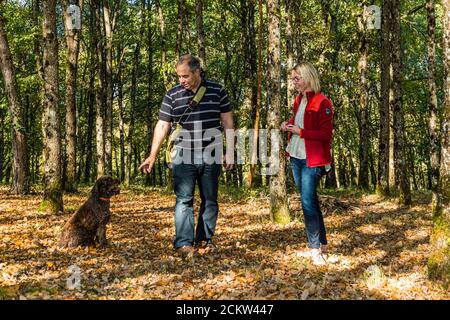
[193, 62]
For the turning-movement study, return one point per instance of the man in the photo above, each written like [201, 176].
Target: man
[199, 150]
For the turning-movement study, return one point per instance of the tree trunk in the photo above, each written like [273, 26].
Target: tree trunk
[383, 153]
[121, 120]
[279, 209]
[20, 183]
[2, 144]
[108, 25]
[92, 94]
[90, 127]
[253, 177]
[296, 29]
[162, 29]
[433, 124]
[290, 95]
[148, 116]
[364, 138]
[179, 40]
[439, 259]
[200, 31]
[73, 45]
[400, 159]
[53, 200]
[133, 108]
[100, 97]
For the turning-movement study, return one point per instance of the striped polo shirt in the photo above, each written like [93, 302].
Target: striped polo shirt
[201, 125]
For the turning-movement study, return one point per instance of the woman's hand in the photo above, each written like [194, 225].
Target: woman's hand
[293, 129]
[284, 126]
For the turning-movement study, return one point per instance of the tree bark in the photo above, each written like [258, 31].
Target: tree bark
[179, 40]
[121, 120]
[289, 52]
[439, 259]
[149, 180]
[279, 209]
[108, 26]
[364, 138]
[2, 144]
[20, 183]
[53, 200]
[296, 29]
[162, 29]
[90, 127]
[100, 96]
[433, 123]
[134, 79]
[253, 177]
[383, 153]
[400, 158]
[73, 45]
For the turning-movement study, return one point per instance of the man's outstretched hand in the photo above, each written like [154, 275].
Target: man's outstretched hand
[147, 166]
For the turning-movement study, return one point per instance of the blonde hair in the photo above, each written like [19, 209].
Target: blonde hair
[309, 73]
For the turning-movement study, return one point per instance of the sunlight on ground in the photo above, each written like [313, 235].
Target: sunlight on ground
[255, 260]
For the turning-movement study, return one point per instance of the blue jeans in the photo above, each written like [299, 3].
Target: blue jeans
[306, 179]
[184, 178]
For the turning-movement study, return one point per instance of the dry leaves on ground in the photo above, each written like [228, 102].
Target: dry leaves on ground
[256, 259]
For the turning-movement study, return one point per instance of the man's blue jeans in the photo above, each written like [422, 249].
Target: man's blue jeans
[184, 178]
[306, 179]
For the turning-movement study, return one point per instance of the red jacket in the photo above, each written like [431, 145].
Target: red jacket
[317, 128]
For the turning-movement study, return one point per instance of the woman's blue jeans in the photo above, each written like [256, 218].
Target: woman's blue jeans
[306, 179]
[185, 176]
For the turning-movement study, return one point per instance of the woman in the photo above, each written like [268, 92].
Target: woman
[310, 132]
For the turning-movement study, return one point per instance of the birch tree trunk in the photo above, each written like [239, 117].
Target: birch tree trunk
[53, 200]
[363, 176]
[279, 209]
[100, 97]
[433, 124]
[108, 25]
[383, 150]
[73, 45]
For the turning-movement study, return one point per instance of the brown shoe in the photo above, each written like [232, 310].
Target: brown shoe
[186, 252]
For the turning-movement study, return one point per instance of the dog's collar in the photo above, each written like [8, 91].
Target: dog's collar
[105, 199]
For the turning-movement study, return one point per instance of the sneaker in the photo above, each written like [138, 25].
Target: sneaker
[324, 248]
[317, 257]
[186, 252]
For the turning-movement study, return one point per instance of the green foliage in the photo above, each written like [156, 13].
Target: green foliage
[329, 36]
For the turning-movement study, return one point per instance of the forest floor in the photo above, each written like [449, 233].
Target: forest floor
[255, 259]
